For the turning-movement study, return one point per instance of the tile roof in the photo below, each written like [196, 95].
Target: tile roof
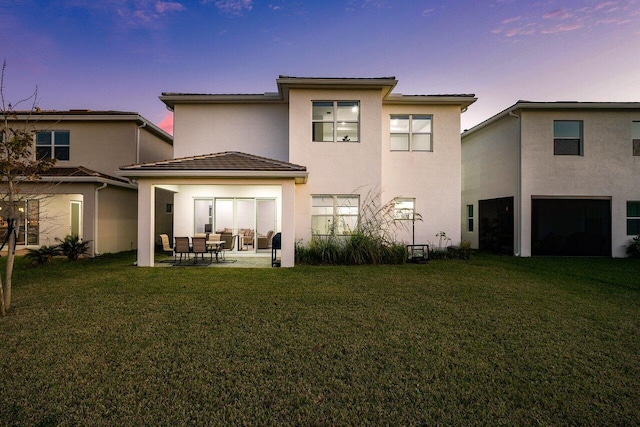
[79, 172]
[226, 161]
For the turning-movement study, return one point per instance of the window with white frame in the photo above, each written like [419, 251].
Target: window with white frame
[404, 208]
[336, 121]
[567, 138]
[635, 138]
[470, 218]
[411, 132]
[52, 144]
[334, 214]
[633, 218]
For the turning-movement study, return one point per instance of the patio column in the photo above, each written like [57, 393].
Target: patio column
[288, 224]
[146, 223]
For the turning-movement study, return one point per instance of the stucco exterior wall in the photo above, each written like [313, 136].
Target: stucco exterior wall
[431, 177]
[118, 220]
[340, 168]
[607, 169]
[100, 146]
[153, 148]
[55, 201]
[490, 170]
[260, 129]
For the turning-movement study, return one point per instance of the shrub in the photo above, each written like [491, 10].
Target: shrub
[73, 246]
[42, 255]
[462, 251]
[634, 247]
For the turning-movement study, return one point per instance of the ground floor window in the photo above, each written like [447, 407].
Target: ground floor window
[469, 217]
[334, 214]
[633, 218]
[404, 208]
[28, 227]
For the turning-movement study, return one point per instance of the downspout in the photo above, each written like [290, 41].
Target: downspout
[519, 188]
[143, 125]
[95, 220]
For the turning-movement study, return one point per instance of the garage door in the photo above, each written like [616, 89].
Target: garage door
[571, 227]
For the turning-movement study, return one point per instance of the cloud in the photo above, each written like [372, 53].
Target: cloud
[608, 4]
[167, 123]
[169, 6]
[148, 14]
[539, 20]
[427, 12]
[510, 20]
[561, 29]
[233, 7]
[557, 14]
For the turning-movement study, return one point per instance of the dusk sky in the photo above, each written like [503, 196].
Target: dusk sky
[122, 54]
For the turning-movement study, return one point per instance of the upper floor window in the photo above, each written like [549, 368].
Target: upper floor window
[52, 144]
[567, 138]
[411, 133]
[334, 214]
[404, 208]
[336, 121]
[633, 218]
[635, 138]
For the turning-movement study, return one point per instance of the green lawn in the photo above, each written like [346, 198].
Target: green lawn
[491, 341]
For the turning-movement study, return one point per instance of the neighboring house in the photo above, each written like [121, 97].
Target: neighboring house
[553, 178]
[82, 195]
[304, 159]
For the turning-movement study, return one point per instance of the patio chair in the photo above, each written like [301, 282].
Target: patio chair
[166, 246]
[228, 248]
[264, 242]
[181, 247]
[199, 246]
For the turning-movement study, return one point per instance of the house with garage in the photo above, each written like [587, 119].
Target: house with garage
[553, 178]
[82, 194]
[304, 161]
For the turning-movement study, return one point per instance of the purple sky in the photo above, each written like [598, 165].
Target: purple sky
[121, 54]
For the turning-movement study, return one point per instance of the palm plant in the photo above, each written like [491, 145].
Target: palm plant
[73, 246]
[42, 255]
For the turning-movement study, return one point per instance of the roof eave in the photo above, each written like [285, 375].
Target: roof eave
[299, 176]
[171, 99]
[84, 180]
[285, 83]
[464, 101]
[557, 105]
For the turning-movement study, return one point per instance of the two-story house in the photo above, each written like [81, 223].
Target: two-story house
[82, 194]
[553, 178]
[305, 160]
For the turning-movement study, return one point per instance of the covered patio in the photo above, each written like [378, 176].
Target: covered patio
[241, 196]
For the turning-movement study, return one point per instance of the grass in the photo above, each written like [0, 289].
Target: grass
[491, 341]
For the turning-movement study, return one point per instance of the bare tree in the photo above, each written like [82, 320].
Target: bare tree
[18, 164]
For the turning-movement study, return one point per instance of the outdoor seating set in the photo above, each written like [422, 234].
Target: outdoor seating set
[200, 244]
